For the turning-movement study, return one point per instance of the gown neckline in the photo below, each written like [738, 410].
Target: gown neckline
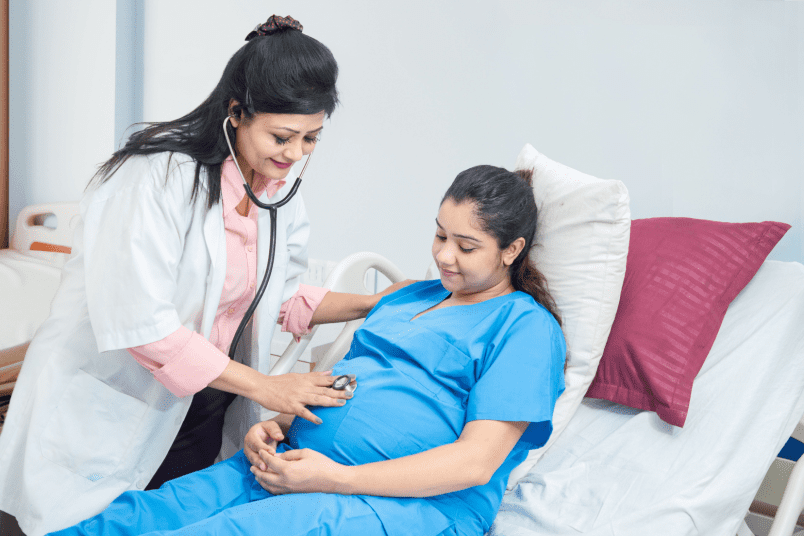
[443, 295]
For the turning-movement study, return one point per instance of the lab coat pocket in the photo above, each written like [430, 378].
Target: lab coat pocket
[91, 427]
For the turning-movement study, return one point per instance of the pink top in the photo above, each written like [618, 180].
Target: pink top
[184, 361]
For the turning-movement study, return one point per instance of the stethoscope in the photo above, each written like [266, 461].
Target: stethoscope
[341, 383]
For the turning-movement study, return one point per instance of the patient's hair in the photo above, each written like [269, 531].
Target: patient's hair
[506, 208]
[286, 72]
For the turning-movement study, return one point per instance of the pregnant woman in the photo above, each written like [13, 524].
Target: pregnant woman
[457, 378]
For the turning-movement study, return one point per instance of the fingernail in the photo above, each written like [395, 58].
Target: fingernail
[341, 402]
[318, 420]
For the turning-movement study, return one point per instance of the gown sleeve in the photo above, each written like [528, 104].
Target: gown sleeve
[522, 375]
[418, 290]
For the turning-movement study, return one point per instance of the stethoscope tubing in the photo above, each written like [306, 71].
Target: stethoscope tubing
[342, 382]
[271, 208]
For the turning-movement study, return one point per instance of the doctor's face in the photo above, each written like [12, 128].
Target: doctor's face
[469, 260]
[270, 143]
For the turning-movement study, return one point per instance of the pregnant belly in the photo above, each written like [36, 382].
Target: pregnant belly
[390, 416]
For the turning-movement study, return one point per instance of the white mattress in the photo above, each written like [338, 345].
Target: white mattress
[28, 282]
[619, 471]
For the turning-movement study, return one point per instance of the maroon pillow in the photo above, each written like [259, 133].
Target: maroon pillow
[680, 277]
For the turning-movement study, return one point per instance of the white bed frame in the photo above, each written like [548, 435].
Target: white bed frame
[34, 225]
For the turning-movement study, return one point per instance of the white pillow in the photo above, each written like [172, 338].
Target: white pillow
[583, 227]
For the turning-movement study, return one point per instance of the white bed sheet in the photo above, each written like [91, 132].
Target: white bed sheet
[624, 472]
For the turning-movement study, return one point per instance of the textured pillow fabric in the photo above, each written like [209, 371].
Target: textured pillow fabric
[581, 248]
[681, 276]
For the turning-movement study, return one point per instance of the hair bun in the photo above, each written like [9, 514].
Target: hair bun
[526, 175]
[274, 24]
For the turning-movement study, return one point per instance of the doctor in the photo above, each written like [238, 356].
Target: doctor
[127, 383]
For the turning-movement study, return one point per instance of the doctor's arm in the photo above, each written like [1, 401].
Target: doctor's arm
[343, 307]
[315, 305]
[185, 362]
[287, 393]
[470, 461]
[306, 306]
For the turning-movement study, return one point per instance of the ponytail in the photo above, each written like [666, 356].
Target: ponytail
[527, 278]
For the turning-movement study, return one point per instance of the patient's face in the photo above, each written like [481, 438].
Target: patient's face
[468, 259]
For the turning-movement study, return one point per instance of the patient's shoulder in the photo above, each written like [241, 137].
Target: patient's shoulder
[520, 312]
[415, 292]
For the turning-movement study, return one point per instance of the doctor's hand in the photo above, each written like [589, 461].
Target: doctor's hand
[300, 471]
[260, 440]
[287, 393]
[290, 393]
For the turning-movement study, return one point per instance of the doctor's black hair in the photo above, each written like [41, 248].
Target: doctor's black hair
[286, 72]
[506, 208]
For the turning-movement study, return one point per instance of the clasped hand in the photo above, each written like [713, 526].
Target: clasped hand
[293, 471]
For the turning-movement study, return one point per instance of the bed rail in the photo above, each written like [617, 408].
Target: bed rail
[347, 276]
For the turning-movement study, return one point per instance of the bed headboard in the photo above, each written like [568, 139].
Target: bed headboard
[46, 227]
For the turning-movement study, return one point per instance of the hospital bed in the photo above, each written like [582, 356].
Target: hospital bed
[611, 469]
[619, 471]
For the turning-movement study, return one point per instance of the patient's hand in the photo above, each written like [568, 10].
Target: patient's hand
[262, 438]
[299, 471]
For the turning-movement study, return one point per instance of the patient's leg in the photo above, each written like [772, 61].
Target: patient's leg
[300, 514]
[177, 503]
[226, 499]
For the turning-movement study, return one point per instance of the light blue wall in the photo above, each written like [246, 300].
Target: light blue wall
[695, 104]
[61, 97]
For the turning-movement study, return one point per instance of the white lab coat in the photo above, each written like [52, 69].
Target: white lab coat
[86, 421]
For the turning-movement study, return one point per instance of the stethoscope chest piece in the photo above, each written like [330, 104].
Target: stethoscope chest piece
[345, 382]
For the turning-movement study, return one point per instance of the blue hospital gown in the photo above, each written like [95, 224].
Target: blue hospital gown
[419, 382]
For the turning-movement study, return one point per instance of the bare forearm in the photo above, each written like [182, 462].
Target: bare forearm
[342, 307]
[238, 379]
[470, 461]
[440, 470]
[285, 393]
